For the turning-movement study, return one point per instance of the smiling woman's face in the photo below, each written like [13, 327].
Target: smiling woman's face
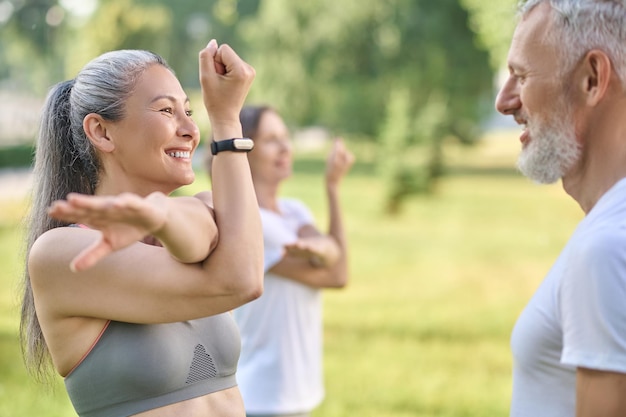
[155, 140]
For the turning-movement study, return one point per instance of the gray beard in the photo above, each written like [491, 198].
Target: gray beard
[551, 152]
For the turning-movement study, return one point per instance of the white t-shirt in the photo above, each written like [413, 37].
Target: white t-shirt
[280, 368]
[577, 317]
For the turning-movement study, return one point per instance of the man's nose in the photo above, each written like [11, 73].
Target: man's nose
[508, 100]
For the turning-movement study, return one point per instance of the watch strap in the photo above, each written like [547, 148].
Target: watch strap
[233, 145]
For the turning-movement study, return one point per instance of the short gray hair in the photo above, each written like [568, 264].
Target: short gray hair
[583, 25]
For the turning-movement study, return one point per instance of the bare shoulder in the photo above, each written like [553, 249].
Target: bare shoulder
[54, 249]
[45, 247]
[206, 197]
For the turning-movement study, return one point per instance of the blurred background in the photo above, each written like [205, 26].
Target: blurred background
[447, 240]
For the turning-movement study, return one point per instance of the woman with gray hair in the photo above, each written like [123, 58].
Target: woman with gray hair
[127, 290]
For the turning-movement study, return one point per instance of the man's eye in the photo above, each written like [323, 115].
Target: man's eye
[189, 113]
[167, 110]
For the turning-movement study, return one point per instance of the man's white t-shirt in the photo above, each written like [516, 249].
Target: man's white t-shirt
[280, 368]
[577, 317]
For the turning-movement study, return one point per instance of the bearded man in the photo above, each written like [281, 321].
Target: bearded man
[567, 88]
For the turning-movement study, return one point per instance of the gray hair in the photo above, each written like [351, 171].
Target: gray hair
[66, 161]
[583, 25]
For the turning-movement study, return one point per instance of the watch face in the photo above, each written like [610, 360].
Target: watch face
[243, 144]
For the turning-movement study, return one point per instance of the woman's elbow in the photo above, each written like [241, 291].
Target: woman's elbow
[338, 280]
[254, 290]
[250, 284]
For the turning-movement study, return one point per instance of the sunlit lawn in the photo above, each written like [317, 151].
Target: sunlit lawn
[423, 328]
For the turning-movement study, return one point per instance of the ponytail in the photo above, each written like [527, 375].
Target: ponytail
[66, 161]
[51, 183]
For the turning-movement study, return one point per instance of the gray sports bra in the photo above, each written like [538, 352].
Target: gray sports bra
[138, 367]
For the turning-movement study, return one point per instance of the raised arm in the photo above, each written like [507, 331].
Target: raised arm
[239, 252]
[316, 259]
[136, 282]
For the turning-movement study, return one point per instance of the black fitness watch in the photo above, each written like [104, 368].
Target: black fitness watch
[233, 145]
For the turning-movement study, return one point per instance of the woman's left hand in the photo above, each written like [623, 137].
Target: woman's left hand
[123, 220]
[314, 248]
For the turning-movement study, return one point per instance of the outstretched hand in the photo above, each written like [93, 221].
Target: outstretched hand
[123, 220]
[339, 162]
[314, 248]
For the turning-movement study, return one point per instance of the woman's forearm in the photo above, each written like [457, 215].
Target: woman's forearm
[337, 232]
[239, 252]
[190, 231]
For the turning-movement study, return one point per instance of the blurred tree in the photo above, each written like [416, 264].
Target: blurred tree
[36, 21]
[494, 22]
[335, 63]
[32, 29]
[119, 24]
[193, 24]
[350, 65]
[412, 150]
[31, 32]
[400, 181]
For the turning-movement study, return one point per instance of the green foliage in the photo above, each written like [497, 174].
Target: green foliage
[30, 22]
[411, 155]
[338, 70]
[493, 21]
[193, 24]
[121, 24]
[403, 172]
[29, 44]
[16, 156]
[324, 62]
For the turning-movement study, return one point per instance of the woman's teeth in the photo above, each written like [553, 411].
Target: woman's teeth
[179, 154]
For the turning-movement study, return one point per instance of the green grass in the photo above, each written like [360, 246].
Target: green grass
[423, 327]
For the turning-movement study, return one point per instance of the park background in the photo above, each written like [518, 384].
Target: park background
[447, 240]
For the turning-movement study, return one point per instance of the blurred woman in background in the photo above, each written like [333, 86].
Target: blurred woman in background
[280, 369]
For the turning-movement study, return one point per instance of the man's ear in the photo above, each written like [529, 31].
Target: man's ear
[596, 71]
[95, 128]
